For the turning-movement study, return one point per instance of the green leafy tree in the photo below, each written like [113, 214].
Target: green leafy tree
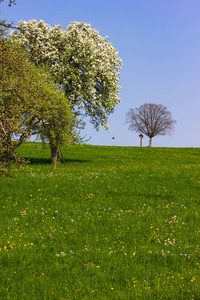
[28, 98]
[84, 64]
[151, 120]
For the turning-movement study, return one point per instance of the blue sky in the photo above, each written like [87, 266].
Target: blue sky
[159, 44]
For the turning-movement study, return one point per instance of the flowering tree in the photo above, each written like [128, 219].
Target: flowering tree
[151, 120]
[28, 99]
[84, 64]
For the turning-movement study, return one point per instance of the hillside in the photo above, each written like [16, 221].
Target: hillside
[117, 222]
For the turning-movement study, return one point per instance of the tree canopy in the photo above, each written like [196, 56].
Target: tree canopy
[84, 64]
[28, 98]
[151, 120]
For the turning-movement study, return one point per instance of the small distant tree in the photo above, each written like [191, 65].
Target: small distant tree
[151, 120]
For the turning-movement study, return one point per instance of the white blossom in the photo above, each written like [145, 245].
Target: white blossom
[84, 64]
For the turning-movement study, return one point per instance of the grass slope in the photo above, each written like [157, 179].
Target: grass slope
[117, 223]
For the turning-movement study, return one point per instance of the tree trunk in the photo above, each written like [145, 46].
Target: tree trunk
[55, 155]
[5, 164]
[6, 153]
[150, 140]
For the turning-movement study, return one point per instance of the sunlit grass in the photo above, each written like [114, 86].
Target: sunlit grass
[118, 223]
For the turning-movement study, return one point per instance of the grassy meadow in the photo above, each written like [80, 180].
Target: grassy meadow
[116, 223]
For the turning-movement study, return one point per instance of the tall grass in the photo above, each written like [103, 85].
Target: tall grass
[117, 223]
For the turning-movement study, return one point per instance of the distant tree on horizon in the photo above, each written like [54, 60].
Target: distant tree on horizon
[151, 120]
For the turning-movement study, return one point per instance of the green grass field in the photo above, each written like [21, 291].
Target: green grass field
[117, 223]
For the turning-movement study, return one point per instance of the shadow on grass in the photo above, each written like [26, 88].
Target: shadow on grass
[48, 161]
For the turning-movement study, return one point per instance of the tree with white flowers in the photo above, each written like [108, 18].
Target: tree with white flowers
[84, 64]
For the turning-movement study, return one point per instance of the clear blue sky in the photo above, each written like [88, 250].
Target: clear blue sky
[159, 44]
